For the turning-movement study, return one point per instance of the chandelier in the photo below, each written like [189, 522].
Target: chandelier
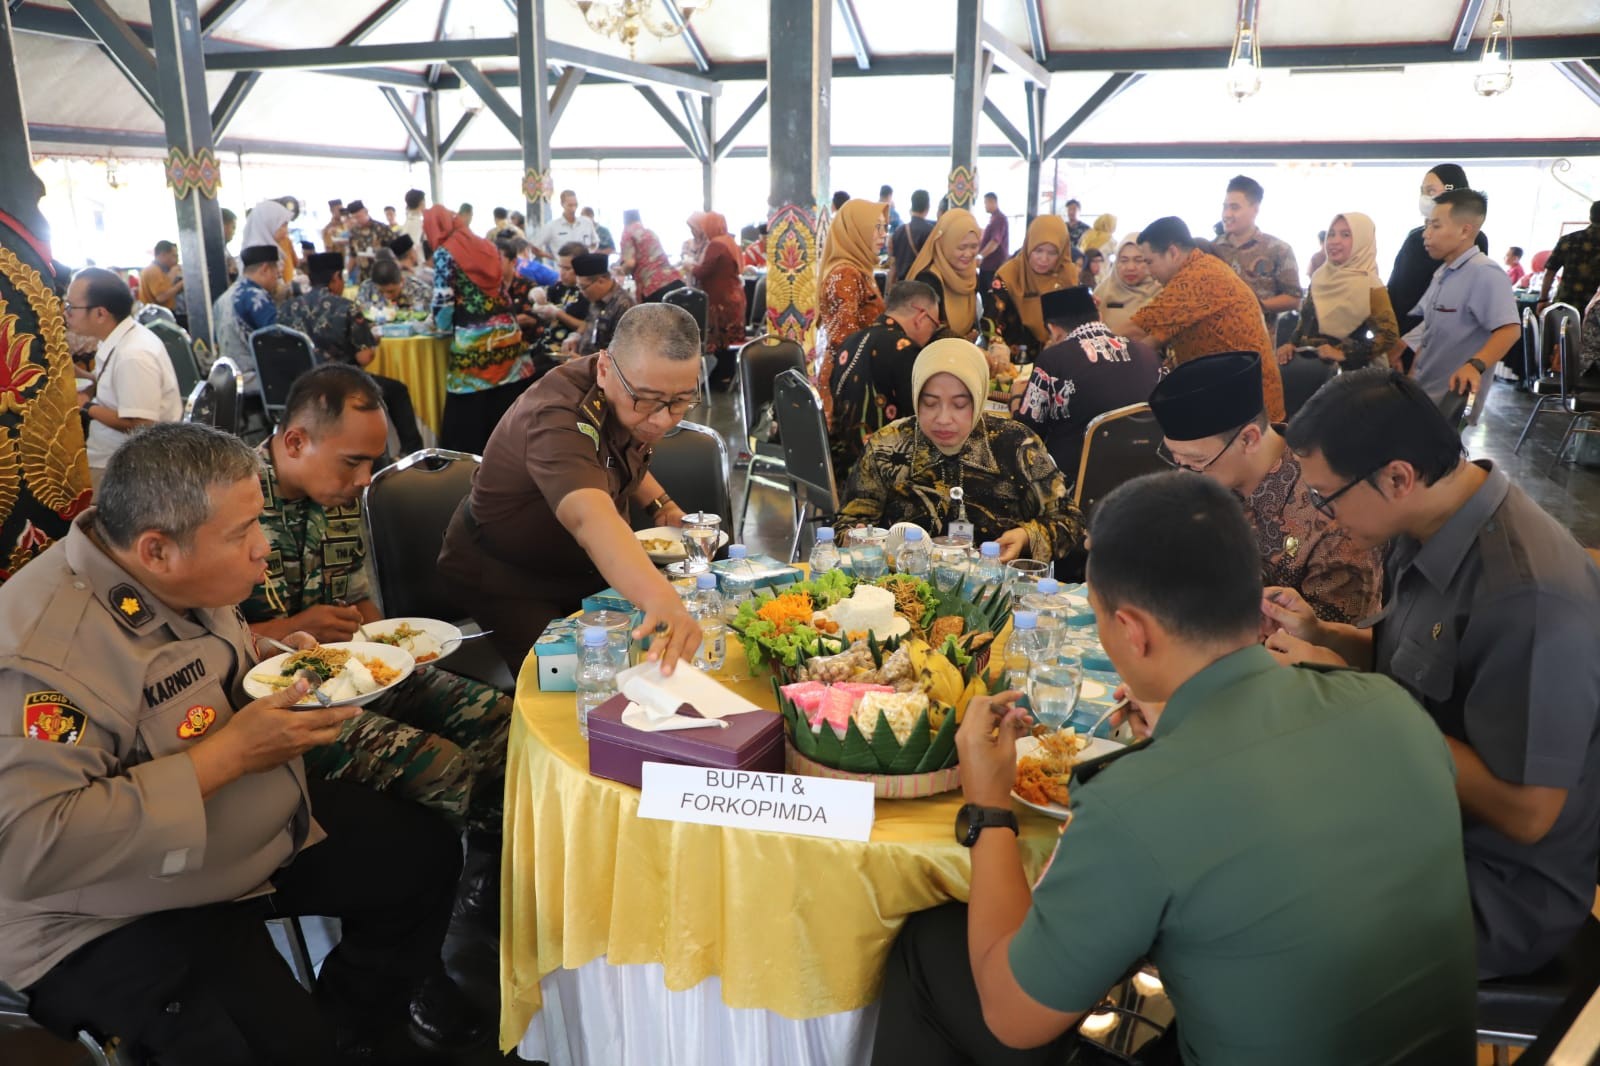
[1244, 61]
[1494, 68]
[623, 19]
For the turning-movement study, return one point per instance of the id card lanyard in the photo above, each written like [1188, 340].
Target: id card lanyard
[959, 526]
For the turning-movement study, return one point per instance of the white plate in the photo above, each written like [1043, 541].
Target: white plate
[440, 631]
[397, 658]
[1098, 746]
[677, 554]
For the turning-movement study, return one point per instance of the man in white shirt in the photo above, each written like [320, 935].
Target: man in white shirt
[135, 384]
[564, 228]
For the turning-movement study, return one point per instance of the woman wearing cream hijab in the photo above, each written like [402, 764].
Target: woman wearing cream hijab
[1011, 491]
[949, 263]
[1127, 287]
[1043, 265]
[1346, 315]
[848, 299]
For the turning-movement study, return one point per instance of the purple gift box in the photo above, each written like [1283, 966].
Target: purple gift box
[751, 741]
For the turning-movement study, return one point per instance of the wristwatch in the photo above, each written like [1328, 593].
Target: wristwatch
[971, 820]
[1477, 364]
[659, 504]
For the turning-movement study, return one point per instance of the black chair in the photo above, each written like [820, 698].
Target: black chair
[1302, 377]
[1283, 331]
[691, 463]
[1118, 446]
[150, 314]
[215, 401]
[180, 351]
[1453, 406]
[406, 509]
[760, 363]
[1532, 363]
[758, 306]
[1544, 377]
[1581, 403]
[1512, 1011]
[807, 456]
[14, 1015]
[695, 302]
[282, 355]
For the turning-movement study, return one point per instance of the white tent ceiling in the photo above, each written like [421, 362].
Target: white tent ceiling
[72, 84]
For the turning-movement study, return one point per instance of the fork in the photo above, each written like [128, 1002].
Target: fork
[310, 676]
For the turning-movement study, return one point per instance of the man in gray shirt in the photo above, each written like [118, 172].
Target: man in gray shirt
[1469, 315]
[1491, 619]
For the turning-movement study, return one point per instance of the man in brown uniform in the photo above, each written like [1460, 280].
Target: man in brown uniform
[151, 816]
[1211, 415]
[546, 522]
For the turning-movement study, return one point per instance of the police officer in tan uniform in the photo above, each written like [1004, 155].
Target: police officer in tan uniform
[152, 816]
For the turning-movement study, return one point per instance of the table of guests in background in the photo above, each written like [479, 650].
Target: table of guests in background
[419, 363]
[656, 943]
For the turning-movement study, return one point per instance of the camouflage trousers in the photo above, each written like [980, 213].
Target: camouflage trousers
[438, 739]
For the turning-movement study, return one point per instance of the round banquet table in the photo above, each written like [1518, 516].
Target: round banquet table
[666, 943]
[418, 362]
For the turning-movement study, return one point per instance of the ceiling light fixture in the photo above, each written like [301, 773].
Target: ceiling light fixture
[1494, 68]
[1244, 62]
[624, 19]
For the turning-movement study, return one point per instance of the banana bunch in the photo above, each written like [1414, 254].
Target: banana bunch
[938, 676]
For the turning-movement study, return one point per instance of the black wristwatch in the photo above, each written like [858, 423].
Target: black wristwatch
[971, 820]
[1477, 364]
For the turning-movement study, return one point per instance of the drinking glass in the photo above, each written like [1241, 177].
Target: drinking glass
[867, 558]
[1023, 577]
[949, 561]
[700, 531]
[1053, 687]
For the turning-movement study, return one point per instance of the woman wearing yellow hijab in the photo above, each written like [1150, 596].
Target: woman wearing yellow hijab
[949, 263]
[848, 299]
[1043, 265]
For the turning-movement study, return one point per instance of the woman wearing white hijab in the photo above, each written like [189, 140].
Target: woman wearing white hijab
[1346, 315]
[266, 223]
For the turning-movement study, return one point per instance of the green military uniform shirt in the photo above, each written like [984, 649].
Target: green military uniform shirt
[1288, 852]
[318, 553]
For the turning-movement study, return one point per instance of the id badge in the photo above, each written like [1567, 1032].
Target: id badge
[961, 529]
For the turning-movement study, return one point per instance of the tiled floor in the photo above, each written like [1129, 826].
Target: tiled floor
[1569, 491]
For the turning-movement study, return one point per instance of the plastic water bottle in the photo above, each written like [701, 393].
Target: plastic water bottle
[1047, 602]
[988, 571]
[824, 555]
[914, 559]
[705, 603]
[1028, 645]
[597, 674]
[738, 579]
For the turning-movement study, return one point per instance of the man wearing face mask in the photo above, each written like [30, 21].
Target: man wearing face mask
[1413, 266]
[546, 522]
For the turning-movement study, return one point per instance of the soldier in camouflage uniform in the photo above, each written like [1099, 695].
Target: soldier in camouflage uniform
[438, 738]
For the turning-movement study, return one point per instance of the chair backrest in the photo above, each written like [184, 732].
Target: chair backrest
[1550, 332]
[179, 351]
[692, 465]
[803, 428]
[1118, 446]
[1566, 350]
[695, 302]
[282, 355]
[216, 401]
[1302, 376]
[761, 361]
[758, 304]
[407, 509]
[1532, 367]
[1284, 329]
[1453, 405]
[151, 313]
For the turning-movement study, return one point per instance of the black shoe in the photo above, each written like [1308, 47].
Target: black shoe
[443, 1019]
[479, 901]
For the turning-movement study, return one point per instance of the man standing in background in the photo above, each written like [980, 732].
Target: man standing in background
[1266, 263]
[908, 239]
[995, 247]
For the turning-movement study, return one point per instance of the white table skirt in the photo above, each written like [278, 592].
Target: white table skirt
[604, 1015]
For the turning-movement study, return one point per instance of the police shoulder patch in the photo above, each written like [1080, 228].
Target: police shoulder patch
[128, 605]
[51, 716]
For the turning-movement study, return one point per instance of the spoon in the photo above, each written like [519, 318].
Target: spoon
[310, 676]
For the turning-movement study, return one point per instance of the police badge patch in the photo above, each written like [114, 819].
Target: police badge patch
[51, 716]
[196, 720]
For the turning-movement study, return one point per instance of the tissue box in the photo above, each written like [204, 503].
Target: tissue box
[608, 600]
[767, 572]
[752, 741]
[557, 653]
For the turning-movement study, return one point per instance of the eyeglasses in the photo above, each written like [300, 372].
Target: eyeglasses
[649, 406]
[79, 307]
[1171, 460]
[1324, 504]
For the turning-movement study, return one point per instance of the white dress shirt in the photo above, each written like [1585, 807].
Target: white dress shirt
[135, 379]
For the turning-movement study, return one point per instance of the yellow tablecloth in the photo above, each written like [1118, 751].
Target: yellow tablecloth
[796, 925]
[420, 363]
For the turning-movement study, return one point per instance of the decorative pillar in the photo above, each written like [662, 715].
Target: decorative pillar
[44, 470]
[538, 183]
[193, 172]
[799, 83]
[969, 78]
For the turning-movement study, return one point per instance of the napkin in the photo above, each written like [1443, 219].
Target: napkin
[654, 700]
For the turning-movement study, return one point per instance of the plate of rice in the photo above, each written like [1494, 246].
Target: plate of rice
[354, 672]
[427, 639]
[1044, 768]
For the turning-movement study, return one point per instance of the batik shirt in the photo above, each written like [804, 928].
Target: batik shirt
[1007, 480]
[1090, 372]
[1266, 263]
[317, 553]
[871, 387]
[253, 306]
[335, 325]
[1577, 256]
[367, 239]
[601, 325]
[415, 295]
[486, 349]
[1300, 549]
